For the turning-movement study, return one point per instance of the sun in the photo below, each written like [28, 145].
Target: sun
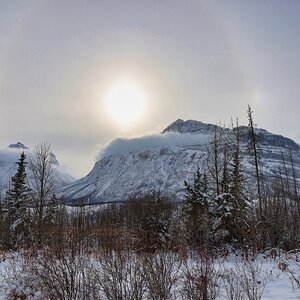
[125, 102]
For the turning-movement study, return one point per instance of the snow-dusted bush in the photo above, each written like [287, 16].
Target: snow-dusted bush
[200, 280]
[47, 275]
[18, 281]
[245, 281]
[65, 276]
[120, 276]
[161, 271]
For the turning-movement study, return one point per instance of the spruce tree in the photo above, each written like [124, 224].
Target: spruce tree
[195, 210]
[158, 219]
[222, 215]
[15, 207]
[197, 197]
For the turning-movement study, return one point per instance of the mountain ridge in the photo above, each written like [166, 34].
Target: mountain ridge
[165, 167]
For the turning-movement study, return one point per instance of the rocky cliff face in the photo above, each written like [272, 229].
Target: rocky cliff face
[190, 126]
[165, 167]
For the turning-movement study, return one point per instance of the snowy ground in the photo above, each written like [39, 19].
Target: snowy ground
[275, 275]
[279, 283]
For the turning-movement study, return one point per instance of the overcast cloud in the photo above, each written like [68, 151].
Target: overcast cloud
[122, 145]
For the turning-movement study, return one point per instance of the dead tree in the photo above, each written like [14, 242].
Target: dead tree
[254, 149]
[215, 159]
[293, 172]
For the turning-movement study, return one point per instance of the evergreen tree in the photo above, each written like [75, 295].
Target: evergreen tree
[196, 210]
[159, 219]
[197, 197]
[156, 222]
[229, 209]
[15, 207]
[222, 215]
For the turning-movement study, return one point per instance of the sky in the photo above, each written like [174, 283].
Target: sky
[193, 59]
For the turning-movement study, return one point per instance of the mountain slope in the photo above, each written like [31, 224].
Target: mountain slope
[182, 147]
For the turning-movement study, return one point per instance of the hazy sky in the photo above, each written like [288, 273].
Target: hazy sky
[203, 60]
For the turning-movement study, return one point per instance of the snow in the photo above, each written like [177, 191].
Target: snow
[116, 177]
[279, 283]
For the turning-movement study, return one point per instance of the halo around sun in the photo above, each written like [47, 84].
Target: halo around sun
[125, 102]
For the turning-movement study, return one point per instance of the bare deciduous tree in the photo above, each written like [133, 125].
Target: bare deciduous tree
[42, 164]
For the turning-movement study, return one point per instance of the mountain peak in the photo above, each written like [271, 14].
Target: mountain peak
[189, 126]
[18, 145]
[169, 159]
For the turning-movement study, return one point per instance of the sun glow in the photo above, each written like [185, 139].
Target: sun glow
[125, 102]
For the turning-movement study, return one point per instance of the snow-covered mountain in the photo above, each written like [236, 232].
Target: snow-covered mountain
[8, 167]
[162, 162]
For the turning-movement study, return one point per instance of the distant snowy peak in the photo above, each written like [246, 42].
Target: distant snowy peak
[18, 145]
[189, 126]
[8, 167]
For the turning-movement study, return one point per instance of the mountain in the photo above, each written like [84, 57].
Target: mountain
[190, 126]
[8, 167]
[162, 162]
[18, 145]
